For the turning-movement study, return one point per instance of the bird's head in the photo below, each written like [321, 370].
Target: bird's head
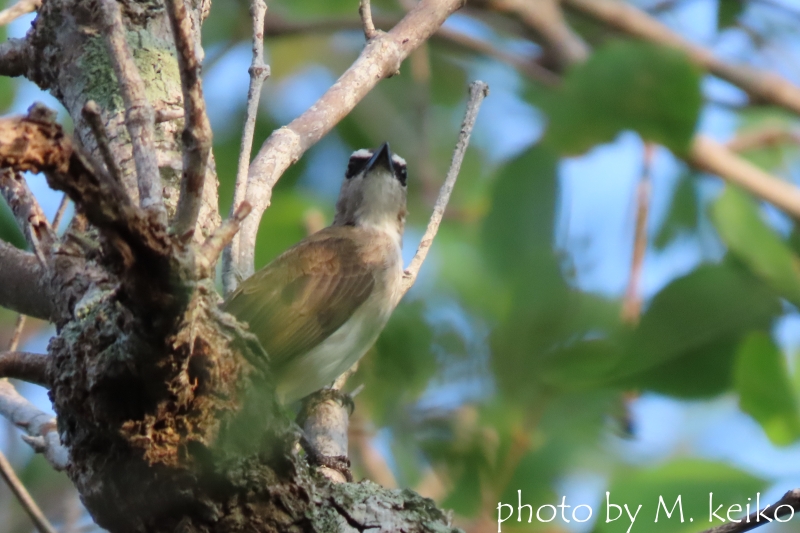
[374, 191]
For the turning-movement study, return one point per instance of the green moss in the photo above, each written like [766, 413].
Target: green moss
[100, 82]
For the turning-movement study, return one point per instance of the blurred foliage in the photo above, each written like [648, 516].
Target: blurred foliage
[503, 370]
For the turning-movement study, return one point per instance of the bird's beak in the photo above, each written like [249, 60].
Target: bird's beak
[381, 158]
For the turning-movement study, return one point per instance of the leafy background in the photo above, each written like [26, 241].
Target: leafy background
[508, 367]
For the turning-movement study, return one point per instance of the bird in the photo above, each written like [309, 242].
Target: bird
[318, 307]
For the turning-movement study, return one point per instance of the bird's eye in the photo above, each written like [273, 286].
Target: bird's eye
[356, 165]
[401, 174]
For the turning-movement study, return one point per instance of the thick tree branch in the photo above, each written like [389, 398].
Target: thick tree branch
[42, 433]
[259, 71]
[711, 156]
[478, 90]
[139, 115]
[15, 57]
[25, 366]
[197, 131]
[24, 287]
[24, 497]
[380, 58]
[787, 505]
[623, 16]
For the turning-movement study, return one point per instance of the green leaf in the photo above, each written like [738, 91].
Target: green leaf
[626, 86]
[752, 241]
[765, 390]
[728, 12]
[692, 480]
[9, 230]
[712, 303]
[683, 216]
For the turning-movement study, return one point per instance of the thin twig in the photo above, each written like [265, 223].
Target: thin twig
[24, 497]
[365, 11]
[478, 90]
[91, 113]
[763, 138]
[139, 115]
[42, 433]
[217, 241]
[62, 208]
[787, 505]
[22, 7]
[166, 115]
[19, 326]
[197, 129]
[259, 71]
[25, 366]
[711, 156]
[632, 303]
[380, 58]
[762, 85]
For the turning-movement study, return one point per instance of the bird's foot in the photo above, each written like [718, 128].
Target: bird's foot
[339, 463]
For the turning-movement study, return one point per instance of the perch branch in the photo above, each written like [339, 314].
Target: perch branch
[478, 90]
[24, 497]
[22, 7]
[25, 366]
[15, 57]
[42, 433]
[623, 16]
[259, 72]
[711, 156]
[59, 216]
[787, 505]
[139, 115]
[197, 129]
[380, 58]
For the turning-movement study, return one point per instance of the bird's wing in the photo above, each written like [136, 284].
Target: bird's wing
[304, 295]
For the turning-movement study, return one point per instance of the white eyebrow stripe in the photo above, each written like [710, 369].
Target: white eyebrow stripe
[397, 160]
[363, 153]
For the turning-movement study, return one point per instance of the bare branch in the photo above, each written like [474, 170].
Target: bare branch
[763, 138]
[763, 86]
[381, 57]
[139, 115]
[24, 288]
[42, 433]
[365, 11]
[787, 505]
[197, 129]
[478, 90]
[15, 57]
[259, 72]
[711, 156]
[22, 7]
[25, 366]
[91, 113]
[166, 115]
[24, 497]
[212, 248]
[276, 27]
